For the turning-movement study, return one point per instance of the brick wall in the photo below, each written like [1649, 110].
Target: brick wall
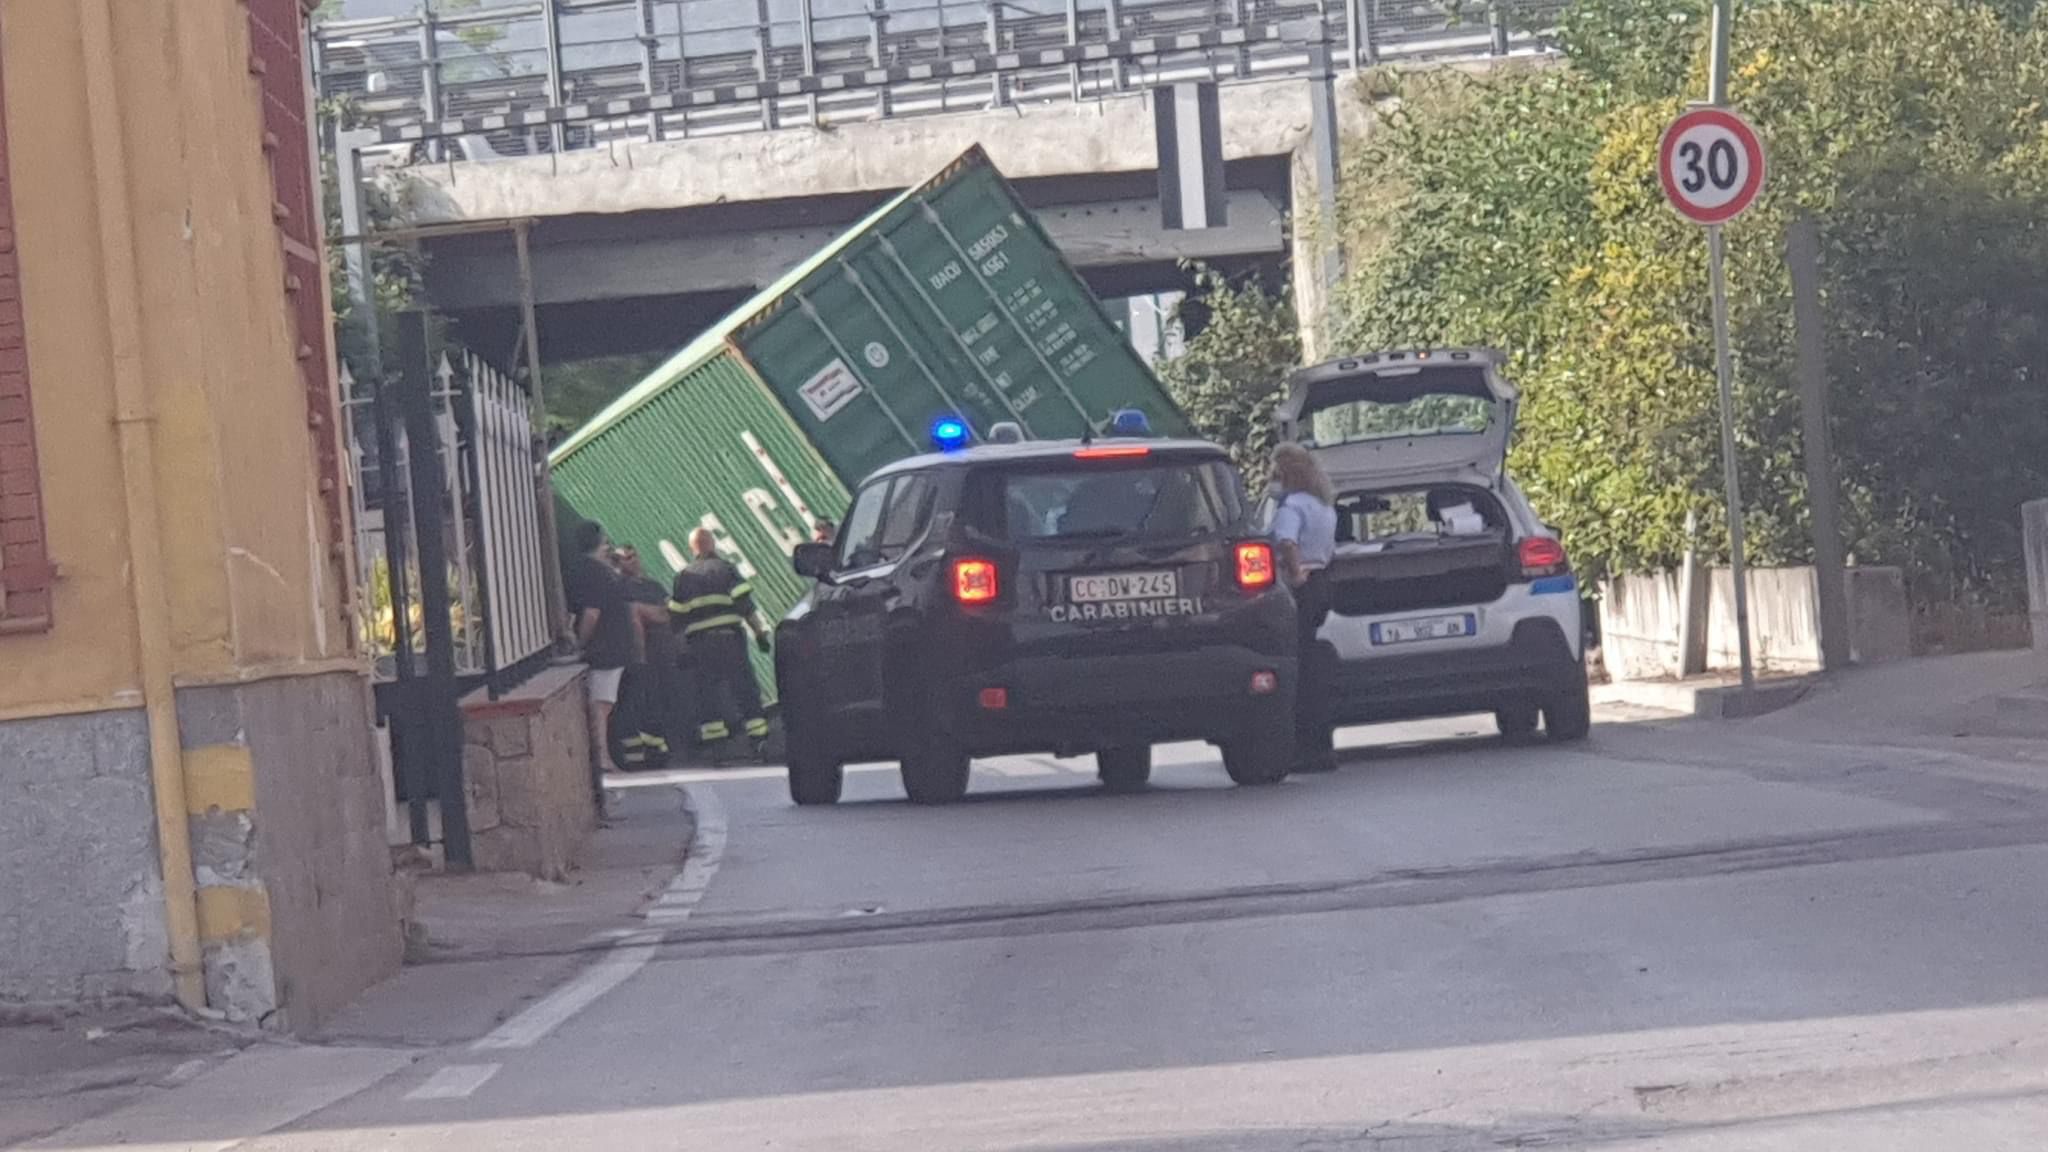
[277, 31]
[25, 571]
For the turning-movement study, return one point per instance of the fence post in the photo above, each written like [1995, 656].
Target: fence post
[464, 402]
[1497, 17]
[2034, 528]
[807, 16]
[1802, 256]
[544, 480]
[650, 48]
[1695, 602]
[430, 77]
[440, 710]
[763, 42]
[997, 89]
[551, 20]
[878, 30]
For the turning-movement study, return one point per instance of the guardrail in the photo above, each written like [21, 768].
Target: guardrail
[686, 68]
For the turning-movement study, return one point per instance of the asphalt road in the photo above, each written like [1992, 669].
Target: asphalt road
[1668, 938]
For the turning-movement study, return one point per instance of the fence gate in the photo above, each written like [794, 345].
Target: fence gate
[452, 557]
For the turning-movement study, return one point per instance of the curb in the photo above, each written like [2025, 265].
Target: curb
[1709, 700]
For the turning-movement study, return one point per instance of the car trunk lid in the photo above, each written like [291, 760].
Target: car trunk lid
[1404, 417]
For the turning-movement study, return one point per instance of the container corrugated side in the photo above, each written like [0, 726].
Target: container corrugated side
[714, 450]
[953, 301]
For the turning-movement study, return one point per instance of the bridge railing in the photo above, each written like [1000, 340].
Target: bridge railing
[951, 55]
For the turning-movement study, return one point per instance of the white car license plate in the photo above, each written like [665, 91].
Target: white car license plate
[1425, 628]
[1108, 586]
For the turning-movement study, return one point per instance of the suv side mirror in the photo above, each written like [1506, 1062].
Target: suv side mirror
[812, 559]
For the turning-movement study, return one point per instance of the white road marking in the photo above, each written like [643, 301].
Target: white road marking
[631, 952]
[455, 1082]
[528, 1028]
[707, 852]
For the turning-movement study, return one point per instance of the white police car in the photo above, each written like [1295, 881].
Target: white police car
[1448, 594]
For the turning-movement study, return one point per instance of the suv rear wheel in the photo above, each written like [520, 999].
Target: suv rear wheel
[1124, 769]
[1569, 714]
[1517, 721]
[935, 772]
[815, 775]
[1263, 754]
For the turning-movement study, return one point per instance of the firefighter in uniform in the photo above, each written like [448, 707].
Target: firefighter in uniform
[712, 611]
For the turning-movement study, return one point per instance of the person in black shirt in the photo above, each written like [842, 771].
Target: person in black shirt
[649, 695]
[604, 628]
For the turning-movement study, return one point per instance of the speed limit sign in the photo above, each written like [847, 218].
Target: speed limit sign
[1712, 165]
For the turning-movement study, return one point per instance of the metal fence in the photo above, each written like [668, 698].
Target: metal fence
[485, 505]
[501, 454]
[502, 58]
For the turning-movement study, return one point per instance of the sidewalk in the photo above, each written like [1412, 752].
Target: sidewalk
[1942, 713]
[482, 946]
[56, 1071]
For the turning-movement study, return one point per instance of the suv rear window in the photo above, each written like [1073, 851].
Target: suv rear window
[1431, 401]
[1098, 501]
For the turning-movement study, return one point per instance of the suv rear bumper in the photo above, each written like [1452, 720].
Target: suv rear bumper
[1070, 705]
[1535, 663]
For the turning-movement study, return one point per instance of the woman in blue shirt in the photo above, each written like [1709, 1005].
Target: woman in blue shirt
[1305, 529]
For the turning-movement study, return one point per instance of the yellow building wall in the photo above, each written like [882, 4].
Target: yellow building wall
[246, 544]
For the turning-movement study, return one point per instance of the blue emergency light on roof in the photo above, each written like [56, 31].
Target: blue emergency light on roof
[1129, 422]
[949, 434]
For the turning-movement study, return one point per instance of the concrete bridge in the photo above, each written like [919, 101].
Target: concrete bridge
[656, 209]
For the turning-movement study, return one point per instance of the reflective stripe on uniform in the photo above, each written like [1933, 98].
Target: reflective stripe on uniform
[723, 620]
[716, 730]
[757, 727]
[742, 589]
[685, 607]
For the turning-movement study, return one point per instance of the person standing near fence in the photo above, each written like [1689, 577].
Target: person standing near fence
[642, 720]
[1305, 528]
[604, 629]
[712, 610]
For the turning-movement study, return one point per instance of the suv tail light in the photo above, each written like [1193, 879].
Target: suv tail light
[1541, 556]
[1255, 565]
[975, 580]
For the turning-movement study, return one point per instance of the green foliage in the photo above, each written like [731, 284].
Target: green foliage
[397, 268]
[578, 391]
[1522, 210]
[1638, 48]
[1229, 380]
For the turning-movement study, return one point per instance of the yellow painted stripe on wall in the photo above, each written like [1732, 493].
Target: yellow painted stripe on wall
[233, 912]
[219, 776]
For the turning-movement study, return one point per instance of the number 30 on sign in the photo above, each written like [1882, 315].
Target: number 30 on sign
[1711, 164]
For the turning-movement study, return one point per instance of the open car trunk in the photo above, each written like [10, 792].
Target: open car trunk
[1435, 546]
[1401, 418]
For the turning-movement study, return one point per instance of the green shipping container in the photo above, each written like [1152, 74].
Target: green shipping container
[712, 450]
[950, 299]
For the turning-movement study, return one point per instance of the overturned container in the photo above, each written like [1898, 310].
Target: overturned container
[949, 301]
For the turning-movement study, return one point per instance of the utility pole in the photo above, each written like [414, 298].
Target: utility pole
[1802, 256]
[1717, 255]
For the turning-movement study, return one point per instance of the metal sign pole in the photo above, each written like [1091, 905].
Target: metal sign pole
[1716, 259]
[1717, 95]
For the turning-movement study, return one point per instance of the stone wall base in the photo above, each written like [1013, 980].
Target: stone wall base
[526, 770]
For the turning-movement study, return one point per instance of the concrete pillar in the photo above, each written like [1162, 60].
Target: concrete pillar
[2034, 518]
